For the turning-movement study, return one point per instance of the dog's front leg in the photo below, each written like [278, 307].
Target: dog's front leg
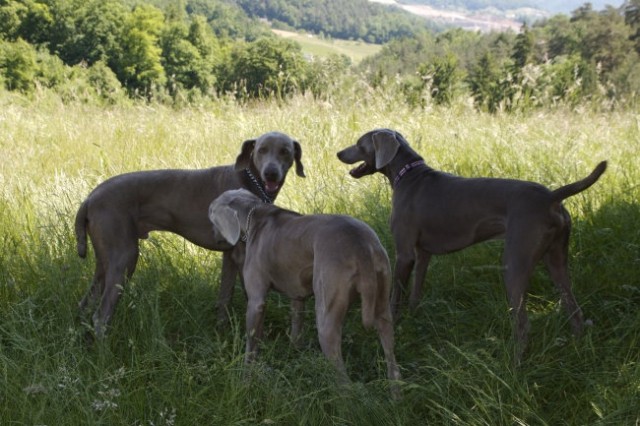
[403, 268]
[297, 319]
[230, 269]
[422, 264]
[254, 320]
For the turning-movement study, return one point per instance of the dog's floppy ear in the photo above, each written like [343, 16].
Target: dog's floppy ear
[386, 147]
[297, 155]
[242, 162]
[225, 220]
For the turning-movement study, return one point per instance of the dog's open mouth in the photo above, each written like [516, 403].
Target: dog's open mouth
[271, 187]
[362, 170]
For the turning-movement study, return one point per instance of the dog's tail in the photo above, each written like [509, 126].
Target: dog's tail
[81, 230]
[579, 186]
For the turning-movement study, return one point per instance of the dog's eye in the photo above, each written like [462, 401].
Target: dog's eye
[262, 150]
[285, 152]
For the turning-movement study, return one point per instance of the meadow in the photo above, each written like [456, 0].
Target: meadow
[322, 47]
[165, 361]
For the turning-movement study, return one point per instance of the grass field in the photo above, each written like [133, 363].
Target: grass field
[164, 362]
[316, 46]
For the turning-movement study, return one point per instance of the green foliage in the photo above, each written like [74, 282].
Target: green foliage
[228, 20]
[591, 52]
[139, 63]
[264, 68]
[487, 84]
[190, 50]
[324, 75]
[442, 77]
[344, 19]
[18, 65]
[632, 18]
[11, 15]
[104, 82]
[99, 25]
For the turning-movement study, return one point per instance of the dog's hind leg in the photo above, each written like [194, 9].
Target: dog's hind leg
[95, 290]
[384, 324]
[120, 266]
[331, 309]
[518, 264]
[556, 261]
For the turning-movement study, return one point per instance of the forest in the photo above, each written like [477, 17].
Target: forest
[183, 52]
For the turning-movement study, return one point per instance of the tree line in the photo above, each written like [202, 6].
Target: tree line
[183, 51]
[343, 19]
[108, 49]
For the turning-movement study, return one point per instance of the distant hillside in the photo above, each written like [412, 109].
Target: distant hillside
[343, 19]
[551, 6]
[316, 46]
[490, 15]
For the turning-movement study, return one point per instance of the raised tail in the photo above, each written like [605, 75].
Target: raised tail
[579, 186]
[81, 230]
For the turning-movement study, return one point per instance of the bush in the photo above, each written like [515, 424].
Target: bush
[18, 65]
[104, 81]
[266, 67]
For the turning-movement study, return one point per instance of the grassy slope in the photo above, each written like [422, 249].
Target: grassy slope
[316, 46]
[163, 361]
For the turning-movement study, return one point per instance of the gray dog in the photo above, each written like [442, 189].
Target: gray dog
[334, 257]
[125, 208]
[438, 213]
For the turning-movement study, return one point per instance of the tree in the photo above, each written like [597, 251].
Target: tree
[11, 15]
[523, 48]
[18, 65]
[99, 28]
[181, 59]
[487, 84]
[268, 66]
[441, 77]
[632, 19]
[139, 65]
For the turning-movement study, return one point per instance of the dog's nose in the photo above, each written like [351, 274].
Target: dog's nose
[272, 174]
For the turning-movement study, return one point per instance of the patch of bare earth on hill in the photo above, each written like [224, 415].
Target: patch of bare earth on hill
[479, 21]
[484, 20]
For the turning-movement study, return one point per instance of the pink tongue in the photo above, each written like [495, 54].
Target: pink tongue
[271, 186]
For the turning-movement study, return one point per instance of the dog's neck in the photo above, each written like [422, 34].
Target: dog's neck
[255, 185]
[247, 231]
[404, 162]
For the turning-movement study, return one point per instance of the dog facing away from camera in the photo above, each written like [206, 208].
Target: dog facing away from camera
[335, 258]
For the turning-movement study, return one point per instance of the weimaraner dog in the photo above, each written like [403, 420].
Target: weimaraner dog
[438, 213]
[125, 208]
[334, 257]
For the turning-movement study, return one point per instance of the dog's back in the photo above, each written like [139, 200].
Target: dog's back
[165, 200]
[333, 256]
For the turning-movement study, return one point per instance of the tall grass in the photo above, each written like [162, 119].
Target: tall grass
[164, 361]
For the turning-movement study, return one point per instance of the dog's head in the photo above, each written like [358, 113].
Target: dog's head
[228, 214]
[271, 156]
[374, 149]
